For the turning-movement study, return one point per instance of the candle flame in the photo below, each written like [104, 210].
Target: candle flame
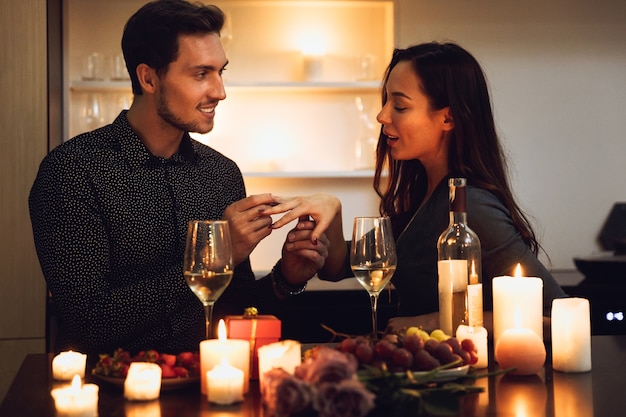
[518, 271]
[221, 330]
[473, 274]
[76, 384]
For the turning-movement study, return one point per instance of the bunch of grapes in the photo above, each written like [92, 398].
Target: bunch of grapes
[400, 353]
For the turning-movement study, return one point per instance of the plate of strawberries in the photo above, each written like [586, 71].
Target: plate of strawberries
[177, 370]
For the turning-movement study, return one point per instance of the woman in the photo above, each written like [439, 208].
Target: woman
[437, 123]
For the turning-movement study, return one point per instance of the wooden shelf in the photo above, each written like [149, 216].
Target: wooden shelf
[261, 87]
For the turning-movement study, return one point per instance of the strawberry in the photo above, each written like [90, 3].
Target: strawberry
[167, 359]
[181, 372]
[167, 371]
[186, 359]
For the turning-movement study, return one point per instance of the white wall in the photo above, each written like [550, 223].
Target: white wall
[557, 71]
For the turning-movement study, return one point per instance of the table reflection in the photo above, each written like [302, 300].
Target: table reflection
[573, 394]
[521, 396]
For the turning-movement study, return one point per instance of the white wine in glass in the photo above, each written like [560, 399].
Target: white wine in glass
[208, 263]
[373, 258]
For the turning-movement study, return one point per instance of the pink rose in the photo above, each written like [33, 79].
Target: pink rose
[327, 366]
[348, 398]
[284, 395]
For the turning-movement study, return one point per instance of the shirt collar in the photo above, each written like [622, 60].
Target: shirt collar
[138, 155]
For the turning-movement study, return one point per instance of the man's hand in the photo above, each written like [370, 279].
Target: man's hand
[302, 258]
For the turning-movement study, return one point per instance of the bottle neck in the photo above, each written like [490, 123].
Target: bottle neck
[458, 217]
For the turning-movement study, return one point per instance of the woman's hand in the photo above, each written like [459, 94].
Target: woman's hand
[324, 209]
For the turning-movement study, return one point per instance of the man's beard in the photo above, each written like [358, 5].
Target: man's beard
[164, 112]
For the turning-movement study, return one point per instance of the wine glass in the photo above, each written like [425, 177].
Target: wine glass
[373, 258]
[208, 262]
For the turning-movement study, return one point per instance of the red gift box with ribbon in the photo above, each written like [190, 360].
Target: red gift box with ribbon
[260, 330]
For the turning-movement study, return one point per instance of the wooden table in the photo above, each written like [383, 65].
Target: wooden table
[549, 394]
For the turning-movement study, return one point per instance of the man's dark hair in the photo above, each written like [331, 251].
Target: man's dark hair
[151, 34]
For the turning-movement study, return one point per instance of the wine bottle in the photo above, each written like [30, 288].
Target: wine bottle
[459, 266]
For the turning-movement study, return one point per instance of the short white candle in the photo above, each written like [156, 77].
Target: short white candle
[571, 335]
[517, 299]
[236, 352]
[67, 364]
[286, 354]
[143, 381]
[224, 384]
[478, 335]
[76, 400]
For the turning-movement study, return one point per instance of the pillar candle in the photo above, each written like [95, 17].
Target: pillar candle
[286, 354]
[517, 302]
[143, 381]
[67, 364]
[236, 352]
[571, 335]
[224, 384]
[76, 400]
[478, 335]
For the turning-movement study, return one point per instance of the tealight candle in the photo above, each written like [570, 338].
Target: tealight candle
[67, 364]
[76, 400]
[143, 381]
[224, 384]
[571, 335]
[522, 349]
[478, 335]
[286, 354]
[517, 298]
[235, 351]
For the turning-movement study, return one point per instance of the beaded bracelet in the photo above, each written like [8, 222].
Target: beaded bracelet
[281, 285]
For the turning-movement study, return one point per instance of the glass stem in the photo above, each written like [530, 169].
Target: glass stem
[374, 302]
[208, 314]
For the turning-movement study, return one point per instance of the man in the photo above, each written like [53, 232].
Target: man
[110, 208]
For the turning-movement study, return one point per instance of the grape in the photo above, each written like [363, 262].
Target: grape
[402, 358]
[384, 349]
[424, 361]
[348, 345]
[465, 356]
[444, 353]
[468, 345]
[430, 345]
[364, 353]
[413, 343]
[454, 344]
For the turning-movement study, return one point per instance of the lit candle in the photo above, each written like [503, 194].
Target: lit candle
[224, 384]
[571, 335]
[76, 400]
[143, 381]
[520, 297]
[522, 349]
[478, 335]
[286, 354]
[235, 351]
[67, 364]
